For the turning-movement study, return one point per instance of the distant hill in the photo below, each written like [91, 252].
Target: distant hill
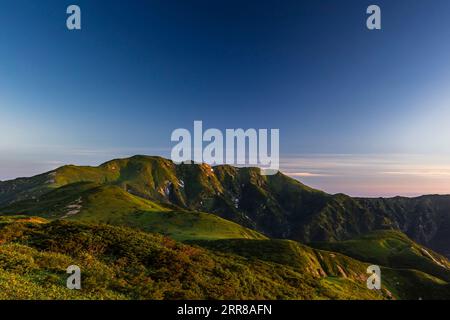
[277, 206]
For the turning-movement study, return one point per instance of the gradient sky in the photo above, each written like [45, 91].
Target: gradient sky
[360, 112]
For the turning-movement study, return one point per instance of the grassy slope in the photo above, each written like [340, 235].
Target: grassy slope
[143, 175]
[118, 193]
[334, 267]
[90, 202]
[117, 262]
[392, 249]
[241, 195]
[277, 205]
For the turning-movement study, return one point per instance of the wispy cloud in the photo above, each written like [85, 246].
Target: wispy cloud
[425, 172]
[372, 174]
[307, 174]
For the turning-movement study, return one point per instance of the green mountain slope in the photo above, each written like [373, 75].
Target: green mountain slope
[277, 206]
[121, 263]
[154, 195]
[241, 195]
[90, 202]
[424, 219]
[392, 249]
[332, 267]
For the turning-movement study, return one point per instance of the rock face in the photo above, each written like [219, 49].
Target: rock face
[277, 205]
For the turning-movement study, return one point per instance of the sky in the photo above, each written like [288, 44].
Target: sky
[360, 112]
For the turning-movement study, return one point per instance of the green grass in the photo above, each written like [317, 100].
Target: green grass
[338, 273]
[122, 263]
[191, 225]
[63, 212]
[189, 187]
[290, 253]
[392, 249]
[276, 205]
[93, 203]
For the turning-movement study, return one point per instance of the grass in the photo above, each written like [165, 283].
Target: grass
[393, 249]
[122, 263]
[338, 273]
[105, 219]
[93, 203]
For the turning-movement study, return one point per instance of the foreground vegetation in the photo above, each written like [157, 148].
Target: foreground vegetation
[122, 263]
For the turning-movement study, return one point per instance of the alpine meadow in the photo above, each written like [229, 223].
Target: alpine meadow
[146, 228]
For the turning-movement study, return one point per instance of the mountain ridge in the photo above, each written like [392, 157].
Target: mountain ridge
[277, 206]
[233, 217]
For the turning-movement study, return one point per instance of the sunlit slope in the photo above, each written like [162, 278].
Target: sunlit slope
[335, 269]
[242, 195]
[89, 202]
[277, 205]
[122, 263]
[392, 249]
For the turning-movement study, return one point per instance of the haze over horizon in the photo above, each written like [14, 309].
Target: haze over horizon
[360, 112]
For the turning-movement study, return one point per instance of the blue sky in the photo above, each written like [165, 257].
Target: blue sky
[374, 100]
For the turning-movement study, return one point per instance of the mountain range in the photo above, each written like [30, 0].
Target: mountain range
[320, 244]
